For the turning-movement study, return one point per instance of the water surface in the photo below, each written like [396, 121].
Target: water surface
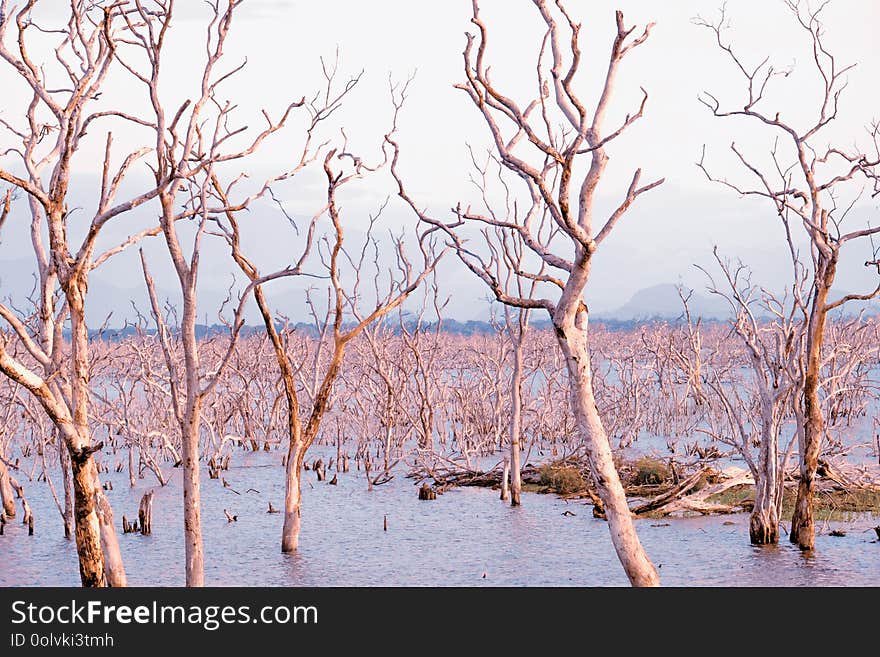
[466, 537]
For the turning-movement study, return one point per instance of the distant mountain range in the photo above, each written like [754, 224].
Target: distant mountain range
[664, 302]
[658, 302]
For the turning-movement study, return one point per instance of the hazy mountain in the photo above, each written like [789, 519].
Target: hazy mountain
[662, 301]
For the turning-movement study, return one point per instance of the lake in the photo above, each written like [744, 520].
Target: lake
[466, 537]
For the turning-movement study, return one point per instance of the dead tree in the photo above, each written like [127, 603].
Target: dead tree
[340, 167]
[56, 115]
[755, 409]
[145, 513]
[546, 161]
[192, 143]
[805, 181]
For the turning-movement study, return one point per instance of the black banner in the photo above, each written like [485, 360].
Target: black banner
[164, 619]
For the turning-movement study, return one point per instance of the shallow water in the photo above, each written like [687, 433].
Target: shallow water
[466, 537]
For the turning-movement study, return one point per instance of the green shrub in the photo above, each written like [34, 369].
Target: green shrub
[562, 480]
[650, 471]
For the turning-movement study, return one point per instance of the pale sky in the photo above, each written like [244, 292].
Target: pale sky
[668, 231]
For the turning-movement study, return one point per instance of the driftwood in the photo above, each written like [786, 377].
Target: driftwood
[672, 494]
[449, 476]
[848, 476]
[230, 517]
[698, 501]
[272, 509]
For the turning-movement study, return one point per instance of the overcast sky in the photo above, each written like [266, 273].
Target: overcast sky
[659, 241]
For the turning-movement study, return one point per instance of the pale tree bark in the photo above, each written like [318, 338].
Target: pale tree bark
[546, 158]
[807, 187]
[774, 350]
[7, 495]
[187, 156]
[342, 302]
[56, 118]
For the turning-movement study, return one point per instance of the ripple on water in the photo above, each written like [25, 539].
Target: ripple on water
[451, 541]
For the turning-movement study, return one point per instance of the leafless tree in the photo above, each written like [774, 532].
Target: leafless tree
[546, 160]
[59, 110]
[808, 183]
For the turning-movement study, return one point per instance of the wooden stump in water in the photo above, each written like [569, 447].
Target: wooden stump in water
[272, 509]
[2, 522]
[333, 481]
[107, 485]
[385, 524]
[28, 516]
[145, 513]
[31, 525]
[230, 517]
[345, 463]
[318, 467]
[427, 493]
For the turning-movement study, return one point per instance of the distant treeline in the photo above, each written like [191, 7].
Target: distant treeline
[450, 326]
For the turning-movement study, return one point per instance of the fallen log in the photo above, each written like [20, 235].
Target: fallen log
[674, 493]
[698, 501]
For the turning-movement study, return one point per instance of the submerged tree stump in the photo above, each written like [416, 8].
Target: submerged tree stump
[129, 527]
[333, 481]
[427, 493]
[320, 470]
[213, 469]
[145, 514]
[272, 509]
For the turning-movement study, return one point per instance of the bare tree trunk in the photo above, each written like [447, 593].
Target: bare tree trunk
[192, 514]
[113, 566]
[516, 421]
[505, 479]
[87, 528]
[67, 479]
[803, 530]
[571, 335]
[6, 494]
[764, 520]
[292, 498]
[132, 477]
